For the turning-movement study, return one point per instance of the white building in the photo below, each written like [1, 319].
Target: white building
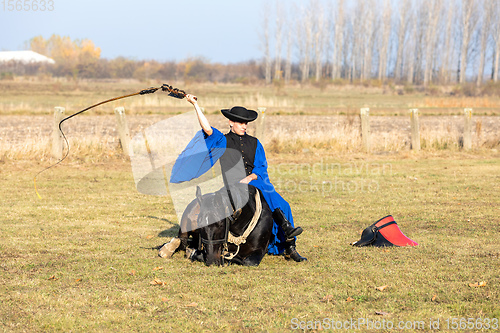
[25, 57]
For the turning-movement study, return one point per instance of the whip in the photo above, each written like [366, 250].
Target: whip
[173, 92]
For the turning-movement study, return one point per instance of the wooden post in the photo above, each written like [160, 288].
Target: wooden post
[415, 129]
[123, 130]
[365, 128]
[261, 124]
[468, 129]
[57, 138]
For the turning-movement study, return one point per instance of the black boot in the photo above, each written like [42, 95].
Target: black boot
[290, 232]
[291, 252]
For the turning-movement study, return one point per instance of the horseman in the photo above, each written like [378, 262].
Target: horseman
[238, 145]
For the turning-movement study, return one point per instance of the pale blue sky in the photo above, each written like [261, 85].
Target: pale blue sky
[225, 31]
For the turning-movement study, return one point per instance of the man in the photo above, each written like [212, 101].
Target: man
[238, 145]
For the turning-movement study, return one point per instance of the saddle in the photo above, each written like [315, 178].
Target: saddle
[384, 232]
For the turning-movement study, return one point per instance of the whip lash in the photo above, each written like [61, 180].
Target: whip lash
[172, 92]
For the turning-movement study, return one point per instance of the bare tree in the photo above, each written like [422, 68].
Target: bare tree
[304, 41]
[357, 40]
[496, 38]
[384, 45]
[349, 58]
[265, 43]
[338, 41]
[289, 46]
[369, 31]
[488, 6]
[279, 41]
[434, 14]
[319, 40]
[448, 43]
[404, 18]
[469, 20]
[420, 36]
[412, 48]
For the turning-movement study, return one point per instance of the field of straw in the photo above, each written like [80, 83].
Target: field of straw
[29, 136]
[297, 118]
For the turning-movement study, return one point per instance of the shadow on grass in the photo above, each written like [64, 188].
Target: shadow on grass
[171, 232]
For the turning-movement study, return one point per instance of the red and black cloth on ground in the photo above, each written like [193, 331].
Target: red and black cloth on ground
[384, 232]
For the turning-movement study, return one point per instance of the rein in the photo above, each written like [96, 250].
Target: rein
[243, 238]
[238, 240]
[173, 92]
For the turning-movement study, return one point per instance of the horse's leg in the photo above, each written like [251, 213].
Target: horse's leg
[253, 259]
[195, 255]
[183, 236]
[238, 261]
[188, 226]
[168, 249]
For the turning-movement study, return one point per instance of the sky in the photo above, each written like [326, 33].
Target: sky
[222, 31]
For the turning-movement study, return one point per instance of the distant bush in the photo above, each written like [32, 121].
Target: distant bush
[6, 76]
[433, 90]
[321, 83]
[491, 89]
[472, 90]
[408, 89]
[340, 82]
[376, 83]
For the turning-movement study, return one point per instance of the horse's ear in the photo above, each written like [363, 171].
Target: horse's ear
[198, 194]
[237, 214]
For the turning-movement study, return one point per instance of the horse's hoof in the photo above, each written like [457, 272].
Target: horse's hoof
[190, 252]
[168, 249]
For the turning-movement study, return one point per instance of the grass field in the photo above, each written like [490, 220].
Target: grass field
[75, 259]
[78, 259]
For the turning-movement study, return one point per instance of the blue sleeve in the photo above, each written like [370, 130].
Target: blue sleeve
[260, 163]
[199, 156]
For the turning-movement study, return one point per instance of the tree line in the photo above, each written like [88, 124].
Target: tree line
[80, 58]
[418, 42]
[413, 41]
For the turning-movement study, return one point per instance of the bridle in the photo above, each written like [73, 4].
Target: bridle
[229, 237]
[230, 218]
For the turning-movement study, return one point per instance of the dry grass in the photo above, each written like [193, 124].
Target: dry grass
[75, 260]
[458, 102]
[96, 139]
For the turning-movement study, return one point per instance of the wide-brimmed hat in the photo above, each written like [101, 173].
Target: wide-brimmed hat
[240, 114]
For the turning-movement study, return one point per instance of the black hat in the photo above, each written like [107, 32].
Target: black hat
[240, 114]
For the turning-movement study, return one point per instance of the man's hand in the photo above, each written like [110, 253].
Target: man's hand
[248, 178]
[191, 99]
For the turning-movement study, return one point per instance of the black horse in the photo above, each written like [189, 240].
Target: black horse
[231, 226]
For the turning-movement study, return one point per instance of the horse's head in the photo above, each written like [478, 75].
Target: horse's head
[215, 215]
[212, 224]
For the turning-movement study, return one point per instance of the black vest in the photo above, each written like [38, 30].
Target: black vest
[238, 148]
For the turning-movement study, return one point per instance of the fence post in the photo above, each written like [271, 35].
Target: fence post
[415, 129]
[468, 129]
[57, 138]
[261, 124]
[365, 128]
[123, 130]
